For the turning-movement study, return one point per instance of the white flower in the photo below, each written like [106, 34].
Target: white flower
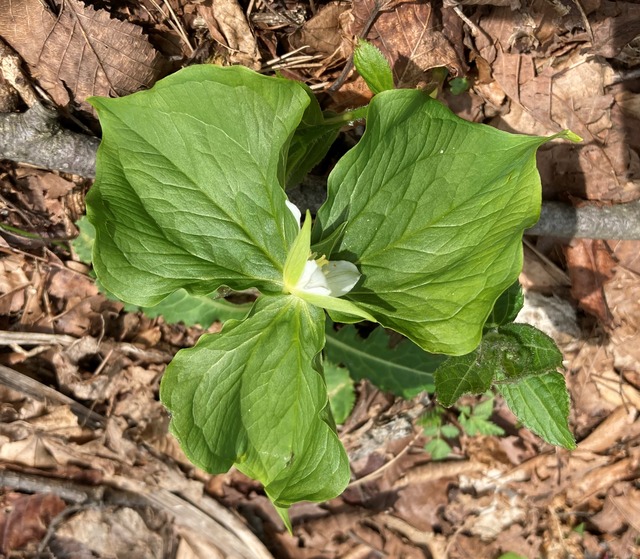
[324, 277]
[320, 276]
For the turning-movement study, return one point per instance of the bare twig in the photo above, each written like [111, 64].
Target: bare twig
[26, 385]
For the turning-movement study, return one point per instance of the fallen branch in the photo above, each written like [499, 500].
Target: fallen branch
[35, 137]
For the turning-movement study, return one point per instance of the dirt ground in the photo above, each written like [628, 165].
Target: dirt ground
[87, 467]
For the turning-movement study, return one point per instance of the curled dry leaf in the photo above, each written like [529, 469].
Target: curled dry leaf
[226, 22]
[80, 51]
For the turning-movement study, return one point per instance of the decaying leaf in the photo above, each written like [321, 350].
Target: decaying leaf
[412, 37]
[226, 22]
[322, 33]
[590, 266]
[25, 518]
[80, 51]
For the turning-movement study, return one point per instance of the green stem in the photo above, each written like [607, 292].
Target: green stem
[348, 116]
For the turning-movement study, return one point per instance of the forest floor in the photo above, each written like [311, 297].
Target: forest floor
[87, 467]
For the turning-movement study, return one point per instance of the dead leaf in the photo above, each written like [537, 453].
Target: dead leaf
[13, 282]
[590, 266]
[322, 32]
[411, 36]
[120, 533]
[617, 23]
[225, 19]
[24, 519]
[80, 51]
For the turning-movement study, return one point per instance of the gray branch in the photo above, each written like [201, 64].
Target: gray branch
[36, 137]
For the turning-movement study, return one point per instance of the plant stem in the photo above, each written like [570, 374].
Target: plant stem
[348, 116]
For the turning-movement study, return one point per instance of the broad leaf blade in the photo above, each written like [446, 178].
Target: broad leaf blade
[541, 403]
[180, 306]
[507, 307]
[189, 187]
[435, 209]
[254, 396]
[404, 370]
[310, 143]
[340, 390]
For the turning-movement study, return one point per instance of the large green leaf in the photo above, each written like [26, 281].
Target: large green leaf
[404, 370]
[435, 209]
[204, 310]
[311, 141]
[254, 396]
[189, 186]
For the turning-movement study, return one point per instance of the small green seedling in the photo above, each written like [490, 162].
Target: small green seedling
[421, 232]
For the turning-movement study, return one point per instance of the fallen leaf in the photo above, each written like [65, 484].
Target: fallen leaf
[616, 24]
[25, 518]
[322, 33]
[412, 38]
[109, 532]
[590, 266]
[225, 19]
[79, 52]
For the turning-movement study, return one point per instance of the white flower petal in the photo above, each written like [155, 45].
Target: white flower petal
[313, 280]
[341, 276]
[294, 210]
[334, 279]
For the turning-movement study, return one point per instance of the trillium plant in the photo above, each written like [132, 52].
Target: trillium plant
[421, 233]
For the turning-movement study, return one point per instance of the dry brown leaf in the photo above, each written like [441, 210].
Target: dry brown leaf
[590, 266]
[13, 282]
[616, 24]
[225, 19]
[322, 33]
[411, 36]
[120, 532]
[25, 518]
[80, 52]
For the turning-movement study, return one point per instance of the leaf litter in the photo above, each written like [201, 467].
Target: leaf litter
[533, 69]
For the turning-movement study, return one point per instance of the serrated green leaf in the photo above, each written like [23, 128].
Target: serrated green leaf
[483, 410]
[526, 351]
[372, 65]
[254, 396]
[507, 307]
[475, 425]
[511, 352]
[436, 207]
[449, 431]
[438, 448]
[404, 370]
[541, 403]
[340, 390]
[189, 185]
[310, 143]
[466, 374]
